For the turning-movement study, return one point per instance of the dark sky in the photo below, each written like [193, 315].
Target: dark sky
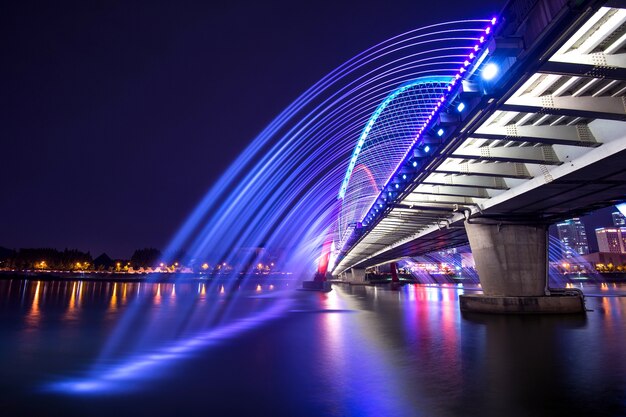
[118, 116]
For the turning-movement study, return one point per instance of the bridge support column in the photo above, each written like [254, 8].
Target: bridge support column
[511, 261]
[356, 276]
[394, 272]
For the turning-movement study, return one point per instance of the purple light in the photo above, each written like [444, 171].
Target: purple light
[493, 20]
[468, 61]
[117, 377]
[488, 30]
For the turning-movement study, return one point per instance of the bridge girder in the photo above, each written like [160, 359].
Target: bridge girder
[528, 149]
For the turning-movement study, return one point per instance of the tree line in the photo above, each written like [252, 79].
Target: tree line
[73, 259]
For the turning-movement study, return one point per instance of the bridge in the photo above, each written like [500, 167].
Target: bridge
[530, 130]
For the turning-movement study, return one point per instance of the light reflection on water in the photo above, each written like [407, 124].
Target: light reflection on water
[356, 351]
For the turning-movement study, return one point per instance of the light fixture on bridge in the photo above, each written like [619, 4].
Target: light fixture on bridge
[489, 71]
[460, 107]
[414, 164]
[403, 176]
[440, 132]
[397, 185]
[427, 148]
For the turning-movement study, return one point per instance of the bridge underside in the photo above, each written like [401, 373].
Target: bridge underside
[543, 142]
[600, 184]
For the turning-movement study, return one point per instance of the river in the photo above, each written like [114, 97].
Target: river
[257, 347]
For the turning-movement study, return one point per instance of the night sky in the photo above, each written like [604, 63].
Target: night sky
[118, 116]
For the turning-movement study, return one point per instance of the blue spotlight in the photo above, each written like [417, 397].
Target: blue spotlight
[489, 71]
[414, 164]
[427, 148]
[461, 107]
[440, 132]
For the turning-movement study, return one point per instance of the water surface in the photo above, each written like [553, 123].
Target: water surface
[257, 347]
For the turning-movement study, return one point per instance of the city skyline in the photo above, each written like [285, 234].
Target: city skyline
[573, 235]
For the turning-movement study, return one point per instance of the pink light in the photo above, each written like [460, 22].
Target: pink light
[488, 30]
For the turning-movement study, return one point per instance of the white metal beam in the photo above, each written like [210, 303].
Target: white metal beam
[579, 135]
[611, 108]
[527, 154]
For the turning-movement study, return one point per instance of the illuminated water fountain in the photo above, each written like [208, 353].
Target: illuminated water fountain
[281, 192]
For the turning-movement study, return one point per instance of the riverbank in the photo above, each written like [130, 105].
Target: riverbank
[129, 277]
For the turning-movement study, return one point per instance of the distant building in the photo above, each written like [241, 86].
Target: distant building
[573, 236]
[599, 260]
[611, 239]
[618, 219]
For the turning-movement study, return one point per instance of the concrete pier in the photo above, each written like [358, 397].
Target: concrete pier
[356, 276]
[511, 261]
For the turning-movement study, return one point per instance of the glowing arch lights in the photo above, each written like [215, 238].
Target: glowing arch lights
[427, 82]
[387, 135]
[468, 64]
